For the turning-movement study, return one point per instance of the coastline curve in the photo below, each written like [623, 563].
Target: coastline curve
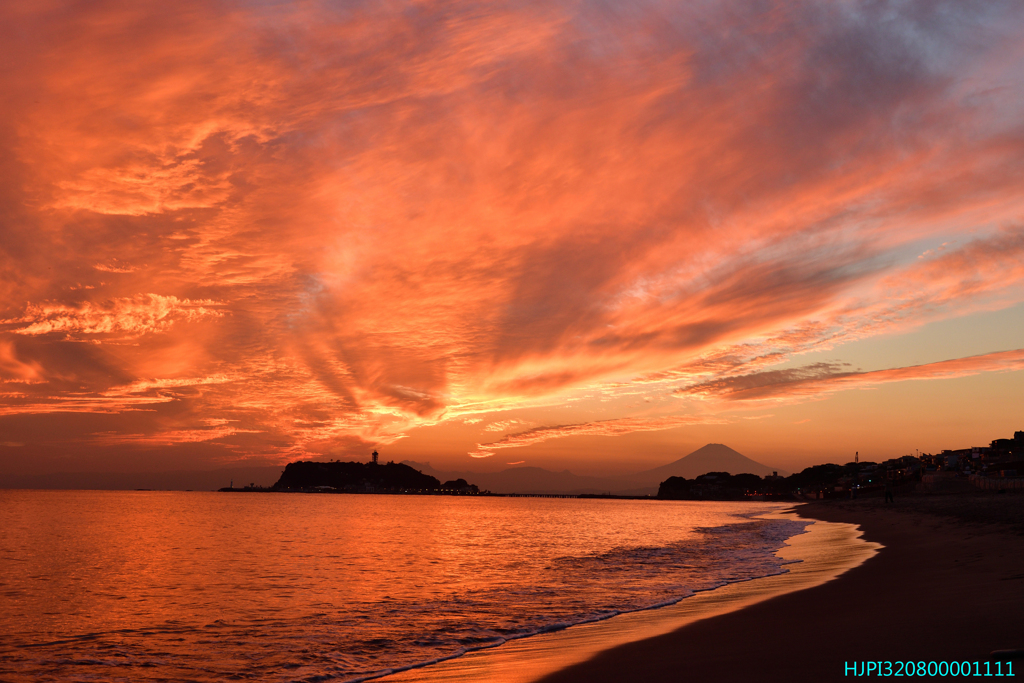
[824, 551]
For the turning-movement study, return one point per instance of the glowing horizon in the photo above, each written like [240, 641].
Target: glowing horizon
[558, 234]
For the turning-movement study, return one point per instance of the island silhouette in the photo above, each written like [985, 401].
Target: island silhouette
[360, 477]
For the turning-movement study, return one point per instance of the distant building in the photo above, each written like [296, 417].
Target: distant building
[950, 459]
[374, 456]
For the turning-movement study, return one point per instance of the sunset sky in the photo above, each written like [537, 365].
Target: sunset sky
[584, 235]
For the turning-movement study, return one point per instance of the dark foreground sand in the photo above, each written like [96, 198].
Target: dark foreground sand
[949, 585]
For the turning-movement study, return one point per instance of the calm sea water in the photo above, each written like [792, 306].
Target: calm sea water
[137, 586]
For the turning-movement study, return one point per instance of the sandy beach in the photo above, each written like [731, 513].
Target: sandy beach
[948, 585]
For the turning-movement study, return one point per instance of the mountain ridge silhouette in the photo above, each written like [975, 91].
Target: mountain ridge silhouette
[712, 457]
[708, 458]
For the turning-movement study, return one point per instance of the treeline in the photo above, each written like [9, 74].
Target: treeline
[826, 479]
[713, 486]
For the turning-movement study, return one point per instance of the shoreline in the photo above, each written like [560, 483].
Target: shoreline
[947, 585]
[824, 550]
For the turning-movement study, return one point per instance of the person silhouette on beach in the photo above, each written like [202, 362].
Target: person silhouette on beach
[888, 491]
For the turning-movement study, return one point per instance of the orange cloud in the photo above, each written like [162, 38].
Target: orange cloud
[12, 369]
[822, 378]
[374, 220]
[504, 425]
[616, 427]
[138, 315]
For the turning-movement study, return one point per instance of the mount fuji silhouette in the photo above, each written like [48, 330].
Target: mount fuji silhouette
[714, 457]
[711, 458]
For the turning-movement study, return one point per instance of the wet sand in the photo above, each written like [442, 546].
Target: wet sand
[948, 585]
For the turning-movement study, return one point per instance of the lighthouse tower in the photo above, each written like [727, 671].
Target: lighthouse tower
[374, 455]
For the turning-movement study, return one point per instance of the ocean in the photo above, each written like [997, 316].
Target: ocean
[202, 586]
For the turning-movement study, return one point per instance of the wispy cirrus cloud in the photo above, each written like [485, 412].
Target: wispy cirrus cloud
[138, 395]
[173, 436]
[615, 427]
[115, 267]
[983, 272]
[505, 425]
[819, 379]
[134, 316]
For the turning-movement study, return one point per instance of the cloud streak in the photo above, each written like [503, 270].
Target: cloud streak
[616, 427]
[818, 379]
[128, 317]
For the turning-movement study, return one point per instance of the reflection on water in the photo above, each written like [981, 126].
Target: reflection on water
[824, 552]
[206, 586]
